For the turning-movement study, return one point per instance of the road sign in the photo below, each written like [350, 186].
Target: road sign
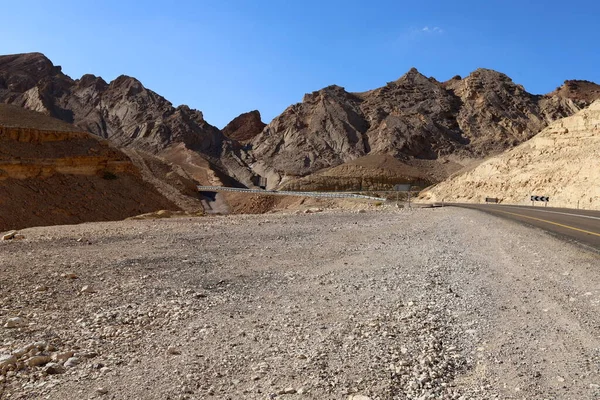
[540, 198]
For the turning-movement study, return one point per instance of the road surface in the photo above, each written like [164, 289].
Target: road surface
[580, 225]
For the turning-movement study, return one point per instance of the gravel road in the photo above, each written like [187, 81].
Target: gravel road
[424, 304]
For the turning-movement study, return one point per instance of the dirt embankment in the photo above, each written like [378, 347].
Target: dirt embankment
[50, 177]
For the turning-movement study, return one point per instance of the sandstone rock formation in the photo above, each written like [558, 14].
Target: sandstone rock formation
[244, 127]
[412, 118]
[51, 173]
[560, 162]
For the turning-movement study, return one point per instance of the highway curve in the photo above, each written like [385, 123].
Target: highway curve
[580, 225]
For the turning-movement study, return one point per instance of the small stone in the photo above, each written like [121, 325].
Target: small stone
[36, 361]
[69, 275]
[15, 322]
[40, 345]
[54, 369]
[359, 397]
[560, 379]
[87, 289]
[71, 362]
[289, 390]
[41, 288]
[64, 356]
[9, 235]
[6, 360]
[102, 390]
[173, 351]
[22, 351]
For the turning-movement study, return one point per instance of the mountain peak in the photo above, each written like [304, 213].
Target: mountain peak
[411, 74]
[33, 65]
[245, 126]
[581, 92]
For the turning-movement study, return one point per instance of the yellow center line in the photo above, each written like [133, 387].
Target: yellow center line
[550, 222]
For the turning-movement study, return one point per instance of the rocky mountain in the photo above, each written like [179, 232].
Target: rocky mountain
[123, 111]
[244, 127]
[413, 118]
[432, 128]
[560, 162]
[581, 92]
[53, 173]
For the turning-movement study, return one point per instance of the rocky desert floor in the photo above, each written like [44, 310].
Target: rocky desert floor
[423, 304]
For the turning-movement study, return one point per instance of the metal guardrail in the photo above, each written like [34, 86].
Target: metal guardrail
[331, 195]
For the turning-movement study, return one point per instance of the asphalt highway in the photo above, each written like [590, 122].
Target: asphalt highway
[582, 226]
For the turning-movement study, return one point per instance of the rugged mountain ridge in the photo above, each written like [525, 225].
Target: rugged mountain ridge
[415, 117]
[123, 111]
[426, 124]
[560, 162]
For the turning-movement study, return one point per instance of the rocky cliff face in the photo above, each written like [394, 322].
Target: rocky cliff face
[66, 176]
[496, 114]
[244, 127]
[560, 162]
[414, 117]
[581, 92]
[123, 111]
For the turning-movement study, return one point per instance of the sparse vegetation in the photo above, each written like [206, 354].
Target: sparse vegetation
[109, 176]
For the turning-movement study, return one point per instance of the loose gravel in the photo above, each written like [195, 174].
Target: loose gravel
[422, 304]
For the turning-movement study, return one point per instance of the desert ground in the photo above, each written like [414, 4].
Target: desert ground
[392, 304]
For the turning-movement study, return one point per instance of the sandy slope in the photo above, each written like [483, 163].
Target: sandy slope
[561, 162]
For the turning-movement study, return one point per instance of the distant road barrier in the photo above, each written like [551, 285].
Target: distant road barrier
[331, 195]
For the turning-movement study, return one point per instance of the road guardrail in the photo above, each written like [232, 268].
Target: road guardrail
[332, 195]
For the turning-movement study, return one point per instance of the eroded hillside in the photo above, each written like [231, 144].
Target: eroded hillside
[63, 176]
[560, 162]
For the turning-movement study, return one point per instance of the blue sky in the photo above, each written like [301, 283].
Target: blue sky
[231, 56]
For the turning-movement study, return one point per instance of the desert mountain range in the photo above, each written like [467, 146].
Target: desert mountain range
[415, 129]
[412, 118]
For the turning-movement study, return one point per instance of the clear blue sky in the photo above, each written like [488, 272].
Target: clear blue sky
[226, 57]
